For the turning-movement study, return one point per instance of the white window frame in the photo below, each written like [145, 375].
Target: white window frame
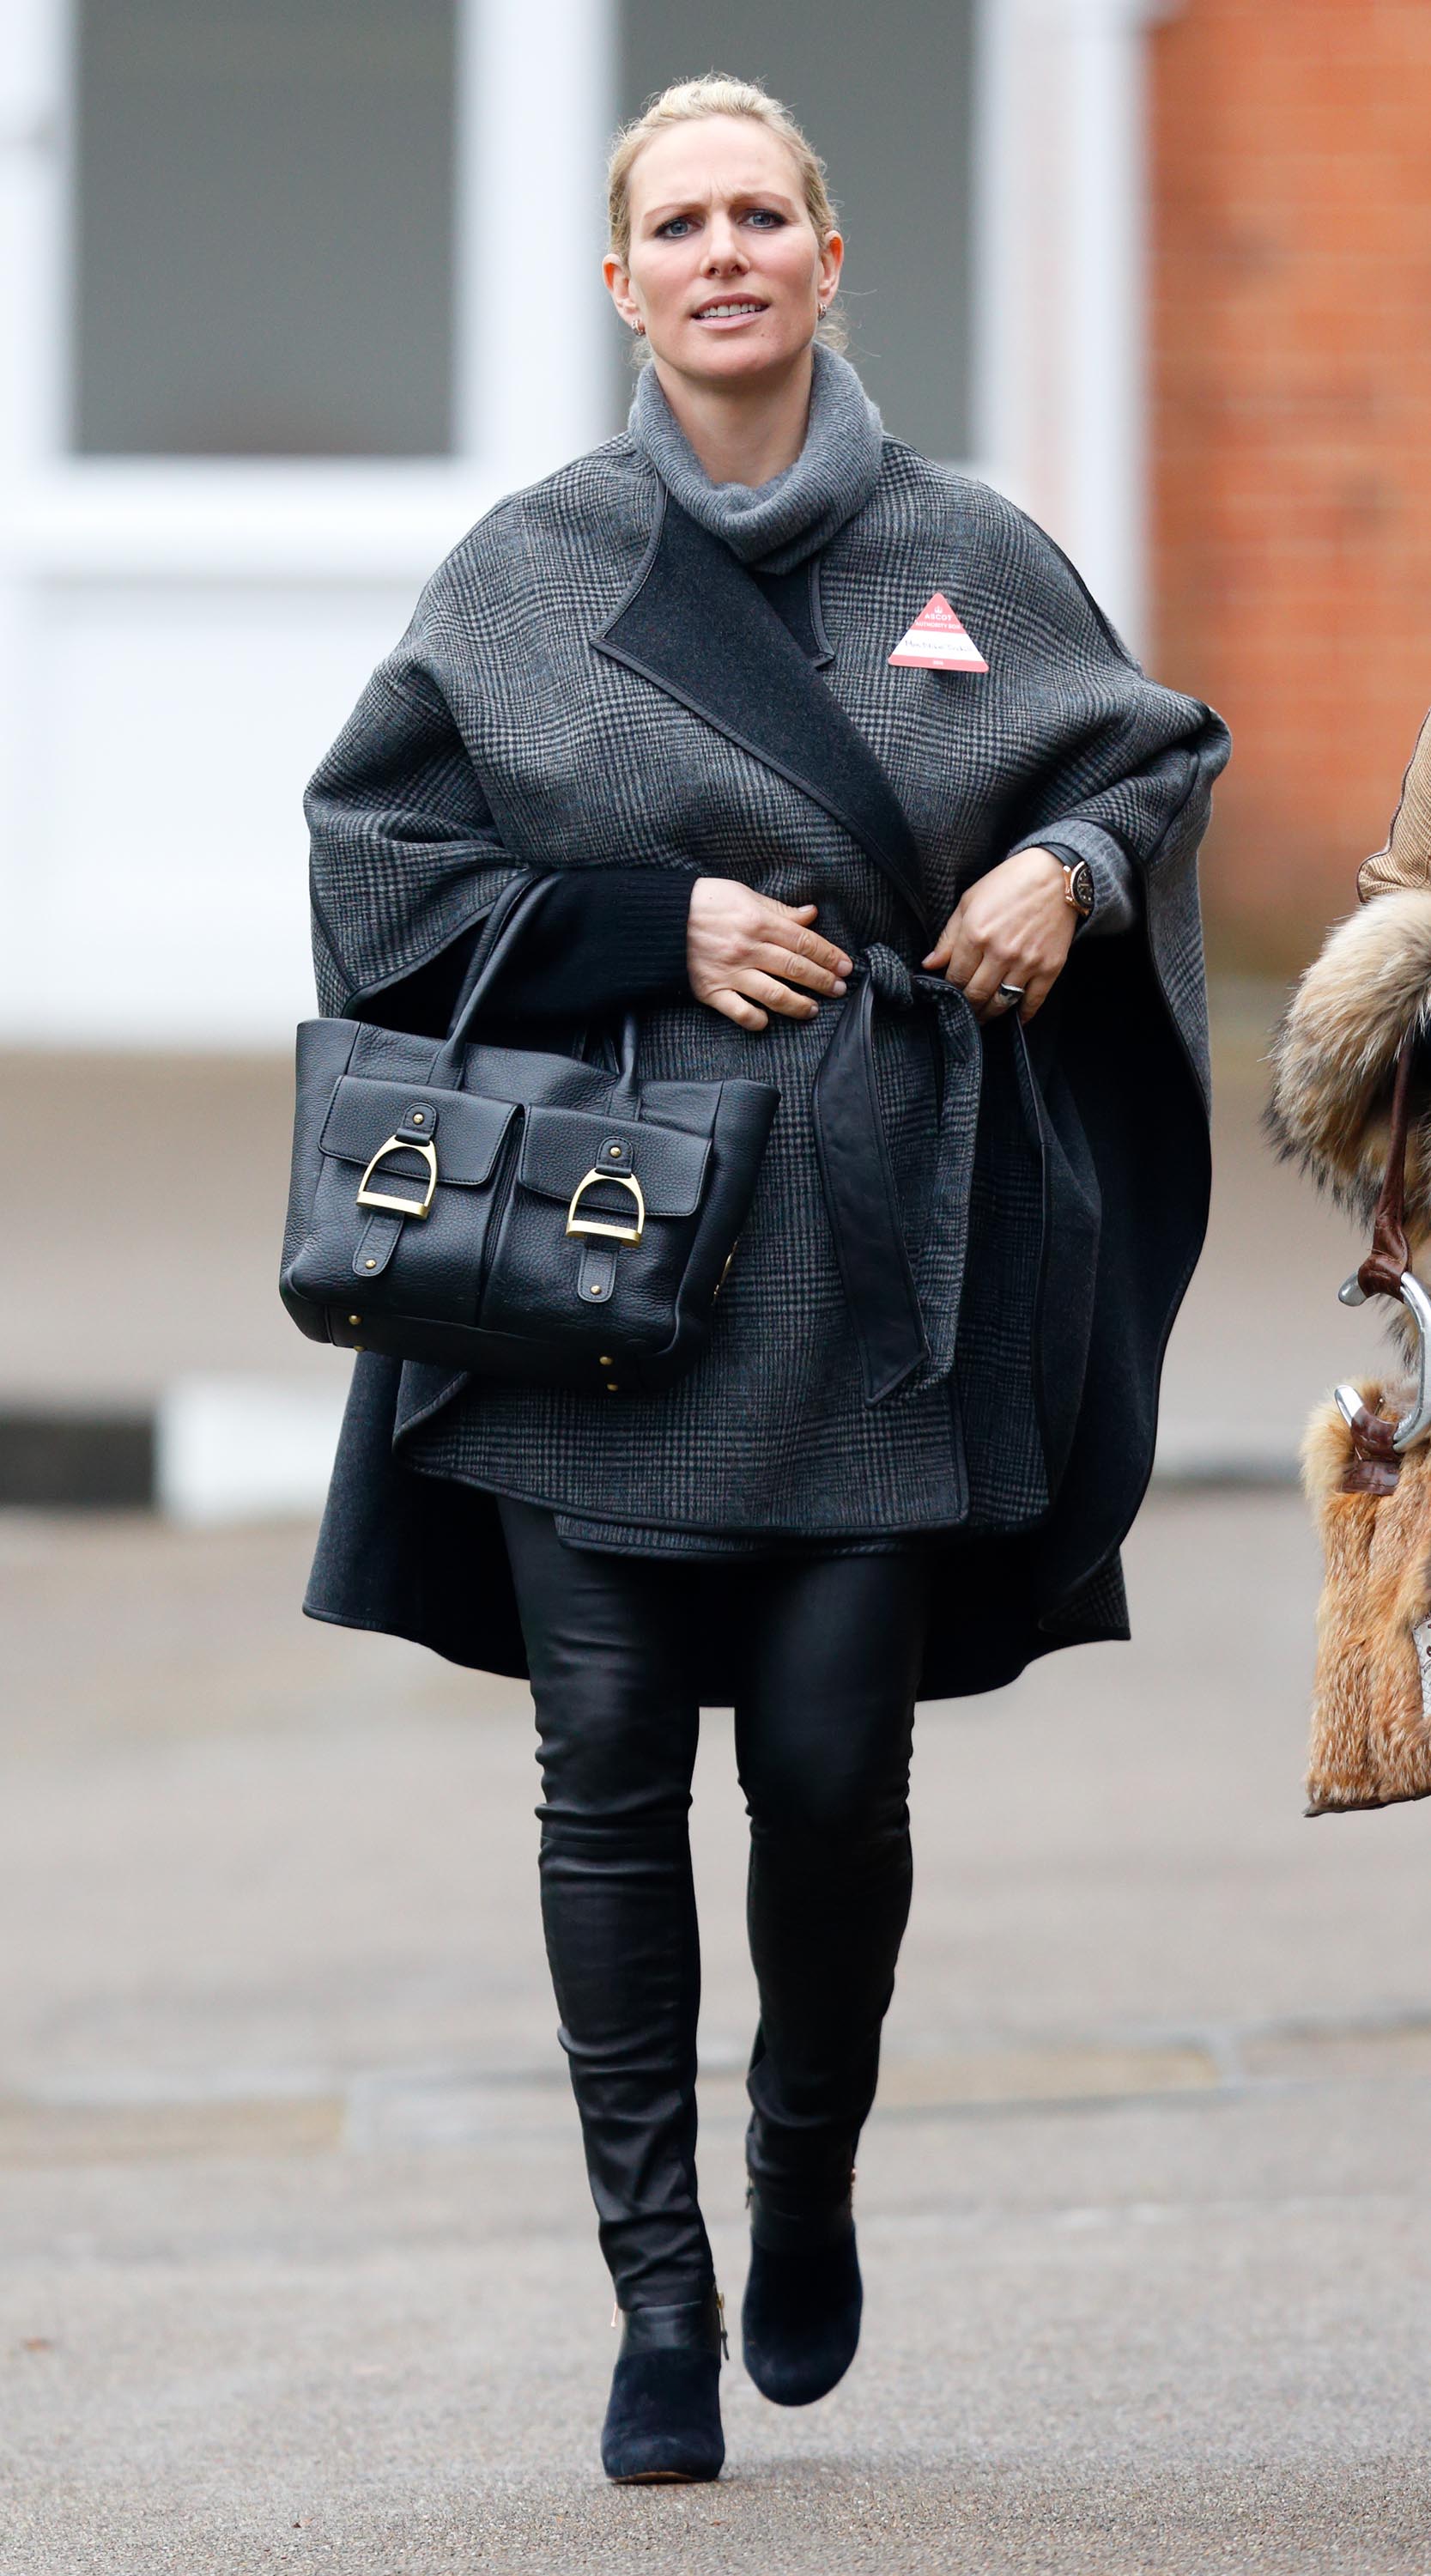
[1058, 322]
[525, 400]
[1058, 332]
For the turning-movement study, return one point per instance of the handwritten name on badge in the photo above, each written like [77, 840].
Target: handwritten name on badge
[938, 641]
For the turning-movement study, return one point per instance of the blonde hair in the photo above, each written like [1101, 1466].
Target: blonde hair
[685, 103]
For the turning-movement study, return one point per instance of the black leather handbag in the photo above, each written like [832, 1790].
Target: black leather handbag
[522, 1215]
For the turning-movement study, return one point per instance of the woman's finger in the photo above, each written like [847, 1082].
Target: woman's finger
[734, 1006]
[772, 995]
[939, 955]
[982, 985]
[1036, 993]
[797, 969]
[964, 955]
[801, 941]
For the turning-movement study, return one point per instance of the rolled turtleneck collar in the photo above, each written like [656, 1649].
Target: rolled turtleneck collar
[774, 526]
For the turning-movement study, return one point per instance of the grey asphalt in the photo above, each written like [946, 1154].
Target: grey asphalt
[297, 2269]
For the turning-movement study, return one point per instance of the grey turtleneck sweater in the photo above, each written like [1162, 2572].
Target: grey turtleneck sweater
[774, 526]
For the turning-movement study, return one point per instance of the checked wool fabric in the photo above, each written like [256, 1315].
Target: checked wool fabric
[496, 740]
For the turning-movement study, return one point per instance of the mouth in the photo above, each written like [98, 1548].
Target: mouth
[730, 308]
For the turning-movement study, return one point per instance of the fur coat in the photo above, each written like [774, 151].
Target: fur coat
[1334, 1059]
[1335, 1052]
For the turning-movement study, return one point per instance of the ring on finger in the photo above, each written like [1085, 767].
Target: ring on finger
[1010, 995]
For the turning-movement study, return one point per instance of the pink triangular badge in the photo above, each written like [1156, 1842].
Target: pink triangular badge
[938, 641]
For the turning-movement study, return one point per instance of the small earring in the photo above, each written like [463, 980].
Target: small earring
[639, 328]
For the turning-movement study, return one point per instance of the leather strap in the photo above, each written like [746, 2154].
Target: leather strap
[377, 1243]
[901, 1335]
[505, 923]
[858, 1181]
[1381, 1273]
[1375, 1463]
[693, 2325]
[596, 1273]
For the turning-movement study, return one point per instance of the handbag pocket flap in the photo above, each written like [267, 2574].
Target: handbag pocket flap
[561, 1146]
[466, 1131]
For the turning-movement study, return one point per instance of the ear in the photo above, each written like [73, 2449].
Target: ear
[618, 287]
[832, 260]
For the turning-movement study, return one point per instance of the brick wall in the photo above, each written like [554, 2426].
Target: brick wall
[1292, 433]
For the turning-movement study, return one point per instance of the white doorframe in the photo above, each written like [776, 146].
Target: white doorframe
[536, 102]
[1061, 269]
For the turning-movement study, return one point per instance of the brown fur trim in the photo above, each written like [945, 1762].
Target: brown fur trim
[1335, 1051]
[1371, 1738]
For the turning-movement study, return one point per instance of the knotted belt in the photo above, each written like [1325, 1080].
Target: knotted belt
[905, 1310]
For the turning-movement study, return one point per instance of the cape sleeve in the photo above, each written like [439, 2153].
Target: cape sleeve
[406, 861]
[1404, 862]
[1130, 765]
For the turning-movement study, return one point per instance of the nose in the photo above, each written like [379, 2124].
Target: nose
[724, 248]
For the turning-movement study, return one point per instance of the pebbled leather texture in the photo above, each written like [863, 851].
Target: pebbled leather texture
[560, 1146]
[596, 1275]
[490, 1279]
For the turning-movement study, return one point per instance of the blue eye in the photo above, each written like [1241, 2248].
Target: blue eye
[676, 227]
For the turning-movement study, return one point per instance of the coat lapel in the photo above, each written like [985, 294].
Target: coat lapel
[698, 627]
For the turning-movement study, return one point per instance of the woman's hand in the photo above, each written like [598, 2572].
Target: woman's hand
[1015, 926]
[744, 951]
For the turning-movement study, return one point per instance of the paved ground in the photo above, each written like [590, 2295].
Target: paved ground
[296, 2266]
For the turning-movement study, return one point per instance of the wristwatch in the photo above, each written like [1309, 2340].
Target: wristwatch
[1078, 887]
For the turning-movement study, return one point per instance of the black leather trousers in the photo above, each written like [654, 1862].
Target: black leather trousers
[831, 1648]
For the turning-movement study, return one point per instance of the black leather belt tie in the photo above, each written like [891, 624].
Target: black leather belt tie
[905, 1310]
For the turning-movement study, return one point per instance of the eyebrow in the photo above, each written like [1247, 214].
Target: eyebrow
[738, 197]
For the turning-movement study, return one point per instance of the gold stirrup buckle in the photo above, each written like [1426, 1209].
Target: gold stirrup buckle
[422, 1145]
[599, 1225]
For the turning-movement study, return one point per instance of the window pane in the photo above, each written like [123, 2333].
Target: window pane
[264, 252]
[884, 95]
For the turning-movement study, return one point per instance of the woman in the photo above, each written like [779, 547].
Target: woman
[678, 676]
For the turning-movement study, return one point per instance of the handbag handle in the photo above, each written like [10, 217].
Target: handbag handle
[1387, 1272]
[505, 925]
[1386, 1265]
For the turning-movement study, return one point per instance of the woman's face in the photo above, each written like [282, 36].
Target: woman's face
[725, 273]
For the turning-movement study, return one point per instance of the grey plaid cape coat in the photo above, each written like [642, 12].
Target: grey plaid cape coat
[592, 681]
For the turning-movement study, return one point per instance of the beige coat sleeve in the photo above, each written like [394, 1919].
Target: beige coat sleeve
[1406, 859]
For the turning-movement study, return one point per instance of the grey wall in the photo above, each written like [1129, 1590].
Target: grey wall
[883, 93]
[264, 234]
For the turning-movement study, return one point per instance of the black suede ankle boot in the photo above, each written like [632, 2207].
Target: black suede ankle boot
[800, 2319]
[663, 2418]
